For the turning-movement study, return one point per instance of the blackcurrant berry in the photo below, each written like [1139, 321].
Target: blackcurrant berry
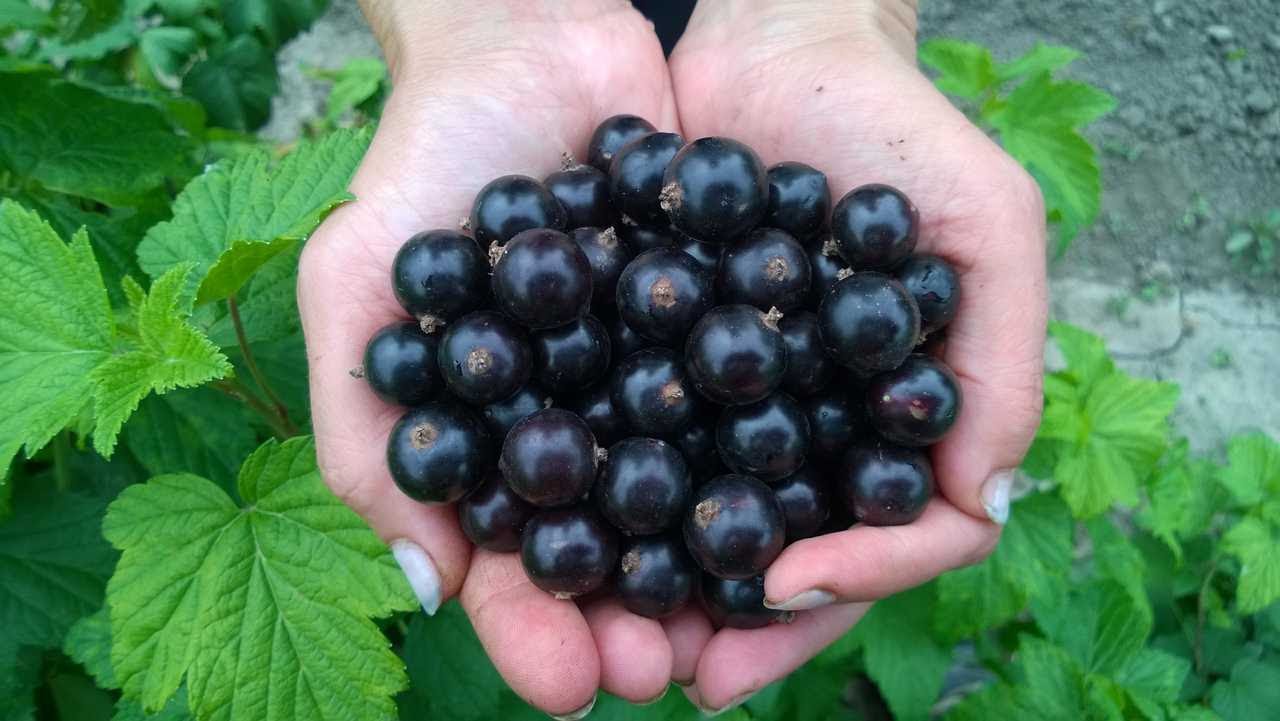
[884, 484]
[572, 356]
[438, 276]
[400, 364]
[825, 269]
[916, 403]
[512, 204]
[809, 370]
[595, 406]
[651, 392]
[492, 516]
[623, 340]
[438, 452]
[836, 416]
[635, 177]
[568, 552]
[799, 200]
[735, 354]
[734, 526]
[736, 603]
[640, 238]
[935, 286]
[543, 279]
[484, 357]
[767, 268]
[803, 496]
[499, 416]
[698, 444]
[715, 189]
[662, 293]
[874, 226]
[583, 192]
[608, 256]
[869, 323]
[643, 486]
[611, 135]
[767, 439]
[707, 254]
[549, 458]
[656, 577]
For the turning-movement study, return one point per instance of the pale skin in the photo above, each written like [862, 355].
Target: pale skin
[506, 89]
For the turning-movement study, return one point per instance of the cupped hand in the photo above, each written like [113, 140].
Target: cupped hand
[835, 85]
[478, 93]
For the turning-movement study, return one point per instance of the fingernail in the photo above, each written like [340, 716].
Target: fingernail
[579, 714]
[804, 601]
[995, 496]
[735, 703]
[423, 577]
[655, 699]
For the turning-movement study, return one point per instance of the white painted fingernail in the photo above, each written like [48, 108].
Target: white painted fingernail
[995, 496]
[579, 714]
[735, 703]
[804, 601]
[423, 577]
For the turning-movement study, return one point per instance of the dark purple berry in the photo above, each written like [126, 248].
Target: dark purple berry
[803, 496]
[400, 364]
[640, 238]
[438, 276]
[438, 452]
[611, 135]
[734, 526]
[595, 406]
[715, 189]
[707, 254]
[935, 286]
[735, 354]
[572, 356]
[874, 226]
[869, 323]
[608, 256]
[836, 416]
[549, 458]
[635, 177]
[568, 552]
[543, 279]
[484, 357]
[766, 268]
[643, 486]
[736, 603]
[809, 370]
[698, 444]
[799, 200]
[499, 416]
[662, 293]
[825, 269]
[767, 439]
[492, 516]
[656, 577]
[884, 484]
[623, 340]
[512, 204]
[583, 192]
[916, 403]
[651, 392]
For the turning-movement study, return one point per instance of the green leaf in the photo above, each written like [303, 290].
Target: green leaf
[1085, 353]
[1252, 473]
[88, 643]
[238, 215]
[1032, 560]
[964, 69]
[55, 328]
[75, 696]
[356, 82]
[21, 15]
[77, 141]
[1117, 559]
[1153, 677]
[19, 677]
[1052, 685]
[459, 685]
[1047, 104]
[814, 692]
[1256, 544]
[1041, 58]
[117, 36]
[1182, 498]
[235, 84]
[1251, 690]
[200, 431]
[1101, 625]
[276, 21]
[264, 608]
[166, 50]
[902, 657]
[175, 710]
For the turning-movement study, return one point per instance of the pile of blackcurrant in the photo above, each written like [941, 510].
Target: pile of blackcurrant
[650, 373]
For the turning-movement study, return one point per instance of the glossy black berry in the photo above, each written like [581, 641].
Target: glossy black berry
[655, 577]
[635, 177]
[874, 226]
[707, 254]
[767, 439]
[803, 496]
[825, 269]
[499, 416]
[662, 293]
[549, 458]
[697, 442]
[935, 286]
[512, 204]
[640, 238]
[736, 603]
[608, 256]
[916, 403]
[883, 484]
[611, 135]
[715, 189]
[543, 279]
[767, 268]
[799, 200]
[651, 392]
[440, 275]
[484, 357]
[869, 323]
[583, 192]
[735, 354]
[595, 406]
[623, 340]
[438, 452]
[568, 552]
[400, 364]
[643, 486]
[734, 526]
[809, 370]
[492, 516]
[572, 356]
[836, 416]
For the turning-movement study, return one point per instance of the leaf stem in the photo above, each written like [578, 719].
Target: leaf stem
[237, 390]
[278, 407]
[1202, 611]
